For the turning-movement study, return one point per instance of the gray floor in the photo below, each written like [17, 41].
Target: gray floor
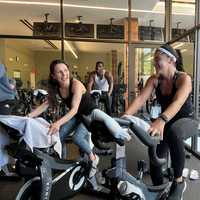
[135, 151]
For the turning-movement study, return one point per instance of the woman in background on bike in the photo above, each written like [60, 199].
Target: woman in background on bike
[176, 122]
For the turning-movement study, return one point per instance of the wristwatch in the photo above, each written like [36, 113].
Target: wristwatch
[164, 118]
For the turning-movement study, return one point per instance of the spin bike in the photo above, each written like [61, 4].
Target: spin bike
[118, 184]
[50, 178]
[47, 177]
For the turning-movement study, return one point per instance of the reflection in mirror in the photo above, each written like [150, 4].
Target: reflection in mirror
[186, 50]
[28, 59]
[95, 19]
[183, 17]
[150, 19]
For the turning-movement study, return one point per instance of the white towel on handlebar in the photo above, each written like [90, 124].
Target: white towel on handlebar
[4, 140]
[33, 130]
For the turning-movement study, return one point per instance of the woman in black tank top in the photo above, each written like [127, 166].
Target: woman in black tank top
[73, 93]
[173, 90]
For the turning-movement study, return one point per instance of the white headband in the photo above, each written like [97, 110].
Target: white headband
[168, 53]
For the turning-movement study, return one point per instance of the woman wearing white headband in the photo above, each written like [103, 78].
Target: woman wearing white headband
[176, 122]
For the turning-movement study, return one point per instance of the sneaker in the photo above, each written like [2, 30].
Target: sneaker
[194, 174]
[177, 190]
[94, 167]
[185, 172]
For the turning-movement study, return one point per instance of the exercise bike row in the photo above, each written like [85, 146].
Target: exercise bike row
[47, 177]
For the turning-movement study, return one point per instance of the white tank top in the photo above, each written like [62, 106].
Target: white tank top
[101, 84]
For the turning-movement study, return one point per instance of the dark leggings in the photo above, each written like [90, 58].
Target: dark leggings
[173, 141]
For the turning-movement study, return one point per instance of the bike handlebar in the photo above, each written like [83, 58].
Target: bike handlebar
[146, 139]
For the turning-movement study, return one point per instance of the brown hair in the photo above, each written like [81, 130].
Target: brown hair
[53, 84]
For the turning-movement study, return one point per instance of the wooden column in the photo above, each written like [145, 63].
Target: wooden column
[134, 30]
[131, 34]
[114, 66]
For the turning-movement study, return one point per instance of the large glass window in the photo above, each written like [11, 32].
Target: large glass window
[143, 67]
[186, 50]
[20, 17]
[183, 17]
[198, 143]
[144, 61]
[28, 60]
[88, 53]
[150, 17]
[95, 19]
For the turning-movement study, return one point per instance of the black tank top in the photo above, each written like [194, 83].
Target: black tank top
[87, 103]
[165, 100]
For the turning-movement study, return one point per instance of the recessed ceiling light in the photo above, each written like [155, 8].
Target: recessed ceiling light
[78, 6]
[175, 46]
[70, 48]
[158, 8]
[183, 50]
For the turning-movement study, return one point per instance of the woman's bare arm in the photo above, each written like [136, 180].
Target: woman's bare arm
[40, 109]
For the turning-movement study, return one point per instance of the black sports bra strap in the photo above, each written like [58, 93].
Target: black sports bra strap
[176, 75]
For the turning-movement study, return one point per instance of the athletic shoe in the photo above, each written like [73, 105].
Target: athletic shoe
[194, 174]
[177, 190]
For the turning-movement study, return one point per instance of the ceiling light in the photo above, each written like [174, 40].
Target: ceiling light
[178, 45]
[158, 9]
[183, 50]
[31, 3]
[186, 9]
[184, 1]
[78, 6]
[70, 48]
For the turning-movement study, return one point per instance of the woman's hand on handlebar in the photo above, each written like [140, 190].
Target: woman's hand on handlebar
[54, 128]
[157, 128]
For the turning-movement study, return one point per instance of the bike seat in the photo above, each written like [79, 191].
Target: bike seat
[49, 150]
[20, 152]
[96, 92]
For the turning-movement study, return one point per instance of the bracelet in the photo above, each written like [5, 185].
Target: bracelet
[164, 118]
